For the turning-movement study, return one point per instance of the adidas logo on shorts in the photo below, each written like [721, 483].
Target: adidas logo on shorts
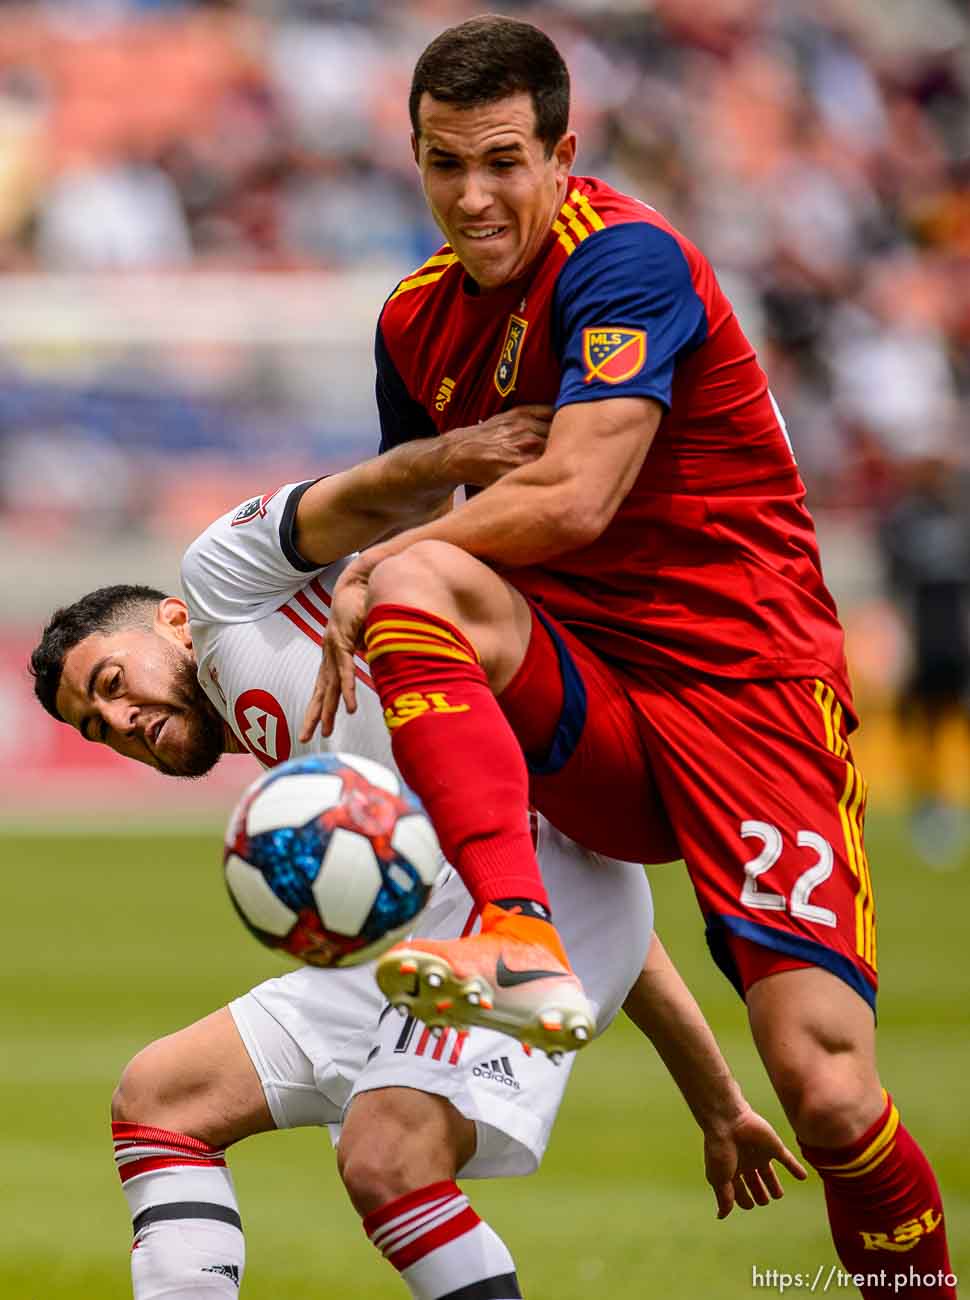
[230, 1271]
[498, 1071]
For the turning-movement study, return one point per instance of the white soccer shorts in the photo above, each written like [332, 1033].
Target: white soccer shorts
[318, 1038]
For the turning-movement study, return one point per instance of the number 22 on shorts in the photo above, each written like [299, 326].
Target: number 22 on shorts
[809, 880]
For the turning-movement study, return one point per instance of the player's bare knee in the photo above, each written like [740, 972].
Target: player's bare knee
[143, 1094]
[390, 1156]
[817, 1039]
[373, 1174]
[162, 1086]
[830, 1099]
[427, 575]
[445, 581]
[397, 1140]
[827, 1084]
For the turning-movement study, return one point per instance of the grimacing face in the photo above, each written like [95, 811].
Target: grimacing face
[490, 187]
[136, 690]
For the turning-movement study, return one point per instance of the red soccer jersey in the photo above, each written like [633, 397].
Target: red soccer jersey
[711, 561]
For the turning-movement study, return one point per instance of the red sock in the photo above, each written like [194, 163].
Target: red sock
[456, 750]
[886, 1213]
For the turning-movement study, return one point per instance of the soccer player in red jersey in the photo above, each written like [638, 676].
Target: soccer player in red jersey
[632, 630]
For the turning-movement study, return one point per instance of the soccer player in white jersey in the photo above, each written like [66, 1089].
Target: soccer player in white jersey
[175, 684]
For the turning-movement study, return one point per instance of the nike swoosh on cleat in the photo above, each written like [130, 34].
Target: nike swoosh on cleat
[507, 979]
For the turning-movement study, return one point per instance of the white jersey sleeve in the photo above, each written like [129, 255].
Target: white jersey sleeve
[244, 566]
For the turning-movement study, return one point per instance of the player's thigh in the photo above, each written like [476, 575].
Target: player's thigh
[200, 1080]
[769, 807]
[590, 772]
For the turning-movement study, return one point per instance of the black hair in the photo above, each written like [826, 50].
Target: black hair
[102, 611]
[491, 57]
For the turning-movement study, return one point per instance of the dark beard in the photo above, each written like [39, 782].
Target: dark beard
[206, 733]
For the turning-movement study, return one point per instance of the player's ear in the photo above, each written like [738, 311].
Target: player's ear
[565, 153]
[415, 151]
[172, 619]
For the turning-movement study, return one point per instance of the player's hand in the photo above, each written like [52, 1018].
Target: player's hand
[483, 453]
[738, 1157]
[336, 679]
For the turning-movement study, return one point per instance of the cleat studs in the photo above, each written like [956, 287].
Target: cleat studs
[581, 1033]
[401, 1008]
[527, 1048]
[551, 1025]
[444, 1005]
[485, 1004]
[434, 980]
[473, 998]
[555, 1057]
[408, 967]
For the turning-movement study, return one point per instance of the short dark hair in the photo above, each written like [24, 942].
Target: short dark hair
[491, 57]
[102, 611]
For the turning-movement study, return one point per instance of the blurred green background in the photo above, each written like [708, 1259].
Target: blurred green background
[114, 940]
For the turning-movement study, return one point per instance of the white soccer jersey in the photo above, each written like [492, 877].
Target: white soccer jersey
[258, 613]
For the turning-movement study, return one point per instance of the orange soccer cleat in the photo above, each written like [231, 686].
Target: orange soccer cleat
[513, 977]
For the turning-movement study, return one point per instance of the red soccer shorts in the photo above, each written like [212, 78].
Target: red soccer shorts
[751, 782]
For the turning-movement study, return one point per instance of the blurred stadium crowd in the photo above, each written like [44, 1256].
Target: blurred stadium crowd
[818, 150]
[202, 207]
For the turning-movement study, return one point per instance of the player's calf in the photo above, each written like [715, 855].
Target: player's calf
[817, 1039]
[179, 1103]
[399, 1153]
[188, 1239]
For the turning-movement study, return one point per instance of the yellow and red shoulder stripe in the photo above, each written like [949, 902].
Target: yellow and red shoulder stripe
[576, 221]
[430, 271]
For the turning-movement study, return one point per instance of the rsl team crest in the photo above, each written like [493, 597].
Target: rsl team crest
[507, 369]
[613, 355]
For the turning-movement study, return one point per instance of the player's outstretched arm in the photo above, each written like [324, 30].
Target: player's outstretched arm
[552, 503]
[739, 1145]
[413, 483]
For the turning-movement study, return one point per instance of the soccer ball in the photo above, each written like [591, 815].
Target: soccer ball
[330, 857]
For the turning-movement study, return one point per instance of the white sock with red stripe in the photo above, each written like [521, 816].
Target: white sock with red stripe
[441, 1248]
[188, 1234]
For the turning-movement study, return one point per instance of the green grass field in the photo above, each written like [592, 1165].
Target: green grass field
[113, 941]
